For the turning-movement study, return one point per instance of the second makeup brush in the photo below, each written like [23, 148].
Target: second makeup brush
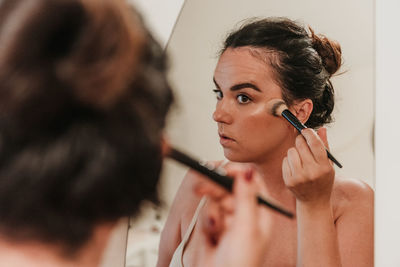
[220, 178]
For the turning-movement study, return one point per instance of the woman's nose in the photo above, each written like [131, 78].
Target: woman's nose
[222, 114]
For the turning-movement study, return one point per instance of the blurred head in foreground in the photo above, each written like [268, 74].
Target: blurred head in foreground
[83, 100]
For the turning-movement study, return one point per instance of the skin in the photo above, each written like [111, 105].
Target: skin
[334, 216]
[35, 253]
[241, 221]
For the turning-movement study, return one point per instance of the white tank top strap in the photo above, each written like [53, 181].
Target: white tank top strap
[176, 260]
[194, 220]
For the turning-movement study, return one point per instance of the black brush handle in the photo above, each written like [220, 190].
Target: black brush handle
[331, 157]
[293, 120]
[264, 202]
[299, 126]
[219, 178]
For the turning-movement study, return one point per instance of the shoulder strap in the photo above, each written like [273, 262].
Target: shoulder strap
[176, 260]
[194, 220]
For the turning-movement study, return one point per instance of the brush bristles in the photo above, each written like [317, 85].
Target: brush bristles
[276, 107]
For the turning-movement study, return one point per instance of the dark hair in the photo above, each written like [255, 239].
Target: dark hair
[303, 63]
[83, 101]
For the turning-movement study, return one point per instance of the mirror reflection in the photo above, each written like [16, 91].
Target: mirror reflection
[84, 104]
[205, 123]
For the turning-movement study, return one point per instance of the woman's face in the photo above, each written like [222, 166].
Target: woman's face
[244, 85]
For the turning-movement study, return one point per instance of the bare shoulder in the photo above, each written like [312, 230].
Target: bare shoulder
[352, 189]
[186, 201]
[180, 215]
[190, 181]
[353, 208]
[350, 194]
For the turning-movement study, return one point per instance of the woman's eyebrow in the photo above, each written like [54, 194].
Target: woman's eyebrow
[244, 85]
[240, 86]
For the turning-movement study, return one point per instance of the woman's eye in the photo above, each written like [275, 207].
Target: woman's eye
[218, 94]
[243, 99]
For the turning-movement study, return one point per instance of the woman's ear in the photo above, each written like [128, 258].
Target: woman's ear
[302, 109]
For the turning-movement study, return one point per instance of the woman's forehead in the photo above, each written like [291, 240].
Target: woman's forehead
[239, 65]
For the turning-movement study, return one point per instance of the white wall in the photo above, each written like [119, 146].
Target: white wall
[160, 16]
[387, 200]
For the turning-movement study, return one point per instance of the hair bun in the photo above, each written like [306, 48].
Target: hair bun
[329, 51]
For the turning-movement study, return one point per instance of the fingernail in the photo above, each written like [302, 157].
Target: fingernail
[211, 222]
[213, 240]
[249, 175]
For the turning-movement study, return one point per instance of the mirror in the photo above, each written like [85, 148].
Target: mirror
[193, 50]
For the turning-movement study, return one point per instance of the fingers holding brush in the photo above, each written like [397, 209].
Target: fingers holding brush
[245, 230]
[310, 141]
[278, 108]
[251, 222]
[216, 193]
[307, 171]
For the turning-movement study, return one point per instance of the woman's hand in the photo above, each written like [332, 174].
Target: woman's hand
[307, 171]
[309, 174]
[235, 227]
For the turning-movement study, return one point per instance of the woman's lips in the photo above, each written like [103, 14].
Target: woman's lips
[225, 140]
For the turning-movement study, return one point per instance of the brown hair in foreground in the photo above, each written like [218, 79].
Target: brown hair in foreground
[83, 101]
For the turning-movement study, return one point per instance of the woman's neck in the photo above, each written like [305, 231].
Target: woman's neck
[270, 169]
[35, 253]
[276, 188]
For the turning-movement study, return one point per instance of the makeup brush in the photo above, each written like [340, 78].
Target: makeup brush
[218, 176]
[277, 107]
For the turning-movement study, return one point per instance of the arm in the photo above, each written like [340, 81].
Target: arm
[355, 227]
[184, 206]
[317, 237]
[351, 239]
[309, 174]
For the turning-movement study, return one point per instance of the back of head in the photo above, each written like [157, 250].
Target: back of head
[83, 100]
[302, 61]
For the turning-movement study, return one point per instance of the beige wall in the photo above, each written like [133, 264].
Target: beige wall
[387, 197]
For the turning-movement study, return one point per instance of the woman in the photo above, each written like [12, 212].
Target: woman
[83, 104]
[78, 150]
[263, 60]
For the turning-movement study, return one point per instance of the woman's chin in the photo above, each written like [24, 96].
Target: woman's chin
[236, 156]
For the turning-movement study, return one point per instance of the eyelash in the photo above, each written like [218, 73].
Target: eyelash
[220, 95]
